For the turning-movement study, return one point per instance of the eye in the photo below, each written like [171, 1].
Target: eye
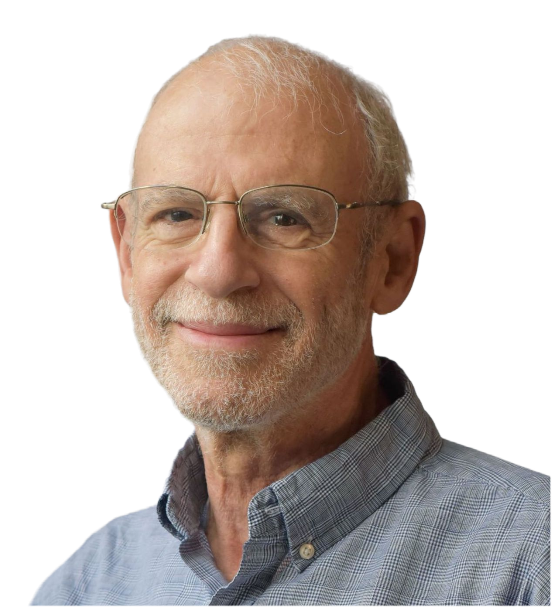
[271, 215]
[284, 220]
[174, 216]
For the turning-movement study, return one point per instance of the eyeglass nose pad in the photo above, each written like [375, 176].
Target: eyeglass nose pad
[207, 219]
[242, 219]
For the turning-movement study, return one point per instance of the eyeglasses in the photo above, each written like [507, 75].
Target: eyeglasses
[274, 217]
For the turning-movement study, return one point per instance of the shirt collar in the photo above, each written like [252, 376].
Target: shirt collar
[323, 501]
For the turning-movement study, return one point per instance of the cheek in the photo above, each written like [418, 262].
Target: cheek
[153, 275]
[313, 284]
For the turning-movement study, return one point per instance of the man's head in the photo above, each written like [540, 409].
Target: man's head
[238, 334]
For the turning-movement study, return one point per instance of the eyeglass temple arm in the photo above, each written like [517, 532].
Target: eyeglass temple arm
[108, 205]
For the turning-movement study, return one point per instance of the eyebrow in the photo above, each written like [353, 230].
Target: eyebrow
[295, 202]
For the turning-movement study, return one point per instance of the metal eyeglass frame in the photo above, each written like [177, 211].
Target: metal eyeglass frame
[207, 203]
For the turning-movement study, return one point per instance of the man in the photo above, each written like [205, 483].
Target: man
[269, 219]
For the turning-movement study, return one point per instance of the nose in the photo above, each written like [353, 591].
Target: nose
[223, 258]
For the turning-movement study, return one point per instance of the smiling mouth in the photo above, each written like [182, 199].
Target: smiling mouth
[224, 336]
[227, 330]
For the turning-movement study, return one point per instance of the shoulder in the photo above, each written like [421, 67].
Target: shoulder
[498, 513]
[481, 491]
[118, 543]
[463, 466]
[124, 534]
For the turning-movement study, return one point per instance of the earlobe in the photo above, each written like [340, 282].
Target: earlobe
[124, 257]
[399, 258]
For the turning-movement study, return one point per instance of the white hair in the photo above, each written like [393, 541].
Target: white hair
[271, 66]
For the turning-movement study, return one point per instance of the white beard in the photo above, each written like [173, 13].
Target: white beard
[233, 390]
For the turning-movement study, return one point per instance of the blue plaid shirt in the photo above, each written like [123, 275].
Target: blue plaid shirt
[395, 515]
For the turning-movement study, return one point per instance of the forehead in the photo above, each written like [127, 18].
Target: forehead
[211, 131]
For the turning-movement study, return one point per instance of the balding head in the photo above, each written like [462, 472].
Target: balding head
[274, 66]
[273, 71]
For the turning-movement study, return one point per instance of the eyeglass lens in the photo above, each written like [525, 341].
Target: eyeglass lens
[291, 217]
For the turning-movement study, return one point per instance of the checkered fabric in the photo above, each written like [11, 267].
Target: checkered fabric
[396, 515]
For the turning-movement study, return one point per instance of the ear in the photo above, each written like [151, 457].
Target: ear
[124, 257]
[398, 257]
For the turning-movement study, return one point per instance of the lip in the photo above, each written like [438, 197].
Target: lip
[228, 330]
[228, 336]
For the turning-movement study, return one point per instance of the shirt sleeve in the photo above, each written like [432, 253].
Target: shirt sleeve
[536, 589]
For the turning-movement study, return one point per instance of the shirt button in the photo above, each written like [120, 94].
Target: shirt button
[307, 551]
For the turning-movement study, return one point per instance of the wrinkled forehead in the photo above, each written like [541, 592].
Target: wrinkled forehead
[209, 114]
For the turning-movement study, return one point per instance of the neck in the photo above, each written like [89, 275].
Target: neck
[240, 464]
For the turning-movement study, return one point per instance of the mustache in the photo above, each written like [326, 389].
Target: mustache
[189, 305]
